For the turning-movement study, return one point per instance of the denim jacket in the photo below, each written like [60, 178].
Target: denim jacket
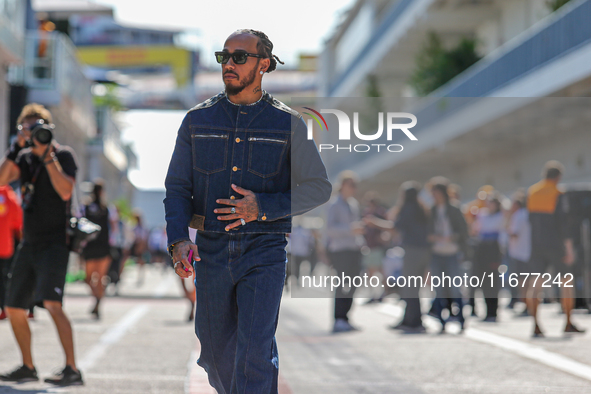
[262, 147]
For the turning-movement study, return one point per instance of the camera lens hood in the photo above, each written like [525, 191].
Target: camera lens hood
[42, 132]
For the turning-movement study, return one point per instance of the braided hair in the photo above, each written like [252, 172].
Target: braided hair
[264, 47]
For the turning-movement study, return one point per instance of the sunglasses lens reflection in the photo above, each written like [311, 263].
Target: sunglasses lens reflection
[239, 58]
[222, 58]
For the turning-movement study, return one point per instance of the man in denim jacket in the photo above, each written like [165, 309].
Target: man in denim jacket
[242, 166]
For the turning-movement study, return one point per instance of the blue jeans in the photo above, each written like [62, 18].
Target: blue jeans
[239, 283]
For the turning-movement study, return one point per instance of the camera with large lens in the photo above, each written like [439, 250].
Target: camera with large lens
[42, 132]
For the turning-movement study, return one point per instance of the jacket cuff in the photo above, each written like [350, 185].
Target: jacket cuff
[262, 215]
[272, 207]
[178, 240]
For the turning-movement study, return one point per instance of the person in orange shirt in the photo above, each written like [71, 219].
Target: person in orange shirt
[472, 208]
[552, 244]
[11, 226]
[45, 28]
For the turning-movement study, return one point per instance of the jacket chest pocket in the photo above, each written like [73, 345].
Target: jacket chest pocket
[210, 152]
[265, 155]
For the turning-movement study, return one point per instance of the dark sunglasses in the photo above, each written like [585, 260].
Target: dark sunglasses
[238, 57]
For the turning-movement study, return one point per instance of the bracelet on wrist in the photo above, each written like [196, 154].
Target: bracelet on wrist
[52, 159]
[172, 246]
[171, 249]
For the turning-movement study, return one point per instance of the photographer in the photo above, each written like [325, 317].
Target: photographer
[47, 172]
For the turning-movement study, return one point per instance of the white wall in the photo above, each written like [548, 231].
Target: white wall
[355, 37]
[507, 173]
[489, 36]
[514, 17]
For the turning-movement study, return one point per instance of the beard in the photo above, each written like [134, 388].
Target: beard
[248, 79]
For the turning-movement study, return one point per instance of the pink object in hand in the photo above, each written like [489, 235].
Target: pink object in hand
[190, 260]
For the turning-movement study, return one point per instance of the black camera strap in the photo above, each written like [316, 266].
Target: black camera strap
[40, 166]
[28, 188]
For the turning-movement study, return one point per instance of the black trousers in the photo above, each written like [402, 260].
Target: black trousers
[488, 258]
[347, 263]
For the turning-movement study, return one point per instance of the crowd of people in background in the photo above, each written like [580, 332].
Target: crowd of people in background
[123, 239]
[37, 240]
[428, 232]
[527, 233]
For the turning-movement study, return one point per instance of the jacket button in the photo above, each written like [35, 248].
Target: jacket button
[232, 198]
[264, 217]
[237, 139]
[234, 168]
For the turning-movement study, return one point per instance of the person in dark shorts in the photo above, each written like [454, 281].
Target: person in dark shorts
[97, 253]
[47, 172]
[551, 241]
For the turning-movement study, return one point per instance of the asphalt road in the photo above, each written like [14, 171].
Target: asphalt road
[143, 343]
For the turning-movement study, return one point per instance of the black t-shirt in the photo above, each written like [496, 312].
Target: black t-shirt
[47, 215]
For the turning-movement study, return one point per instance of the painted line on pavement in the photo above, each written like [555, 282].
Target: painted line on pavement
[112, 336]
[139, 378]
[532, 352]
[523, 349]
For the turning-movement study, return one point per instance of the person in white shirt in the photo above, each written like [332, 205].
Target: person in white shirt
[344, 230]
[448, 232]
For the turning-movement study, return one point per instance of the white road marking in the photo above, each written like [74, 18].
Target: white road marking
[112, 336]
[514, 346]
[532, 352]
[391, 310]
[128, 377]
[340, 362]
